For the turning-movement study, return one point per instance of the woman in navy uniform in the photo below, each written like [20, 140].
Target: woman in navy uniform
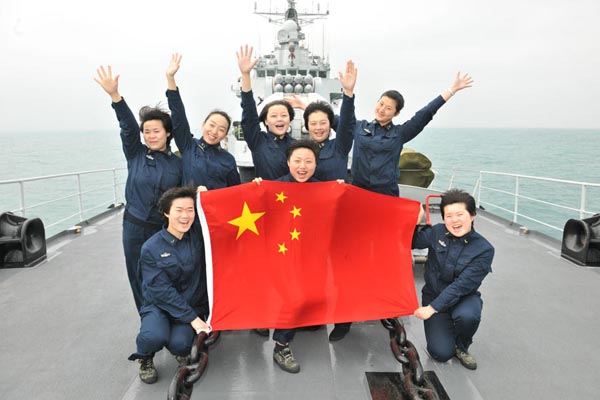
[268, 148]
[174, 284]
[151, 169]
[458, 261]
[378, 143]
[206, 165]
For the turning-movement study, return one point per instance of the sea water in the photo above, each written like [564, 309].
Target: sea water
[457, 156]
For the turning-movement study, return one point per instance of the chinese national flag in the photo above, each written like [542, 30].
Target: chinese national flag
[285, 255]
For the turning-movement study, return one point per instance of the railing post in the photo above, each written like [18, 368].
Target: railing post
[582, 202]
[516, 212]
[80, 197]
[451, 180]
[22, 198]
[115, 186]
[480, 183]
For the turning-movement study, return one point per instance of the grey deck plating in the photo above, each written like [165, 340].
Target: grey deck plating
[69, 324]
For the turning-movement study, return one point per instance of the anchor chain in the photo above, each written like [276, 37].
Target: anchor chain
[182, 384]
[416, 384]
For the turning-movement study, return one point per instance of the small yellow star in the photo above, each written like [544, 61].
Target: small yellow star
[295, 234]
[282, 248]
[281, 197]
[246, 221]
[296, 212]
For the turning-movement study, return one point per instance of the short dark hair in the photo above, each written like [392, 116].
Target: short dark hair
[453, 196]
[222, 114]
[263, 113]
[318, 106]
[302, 144]
[148, 113]
[166, 200]
[396, 96]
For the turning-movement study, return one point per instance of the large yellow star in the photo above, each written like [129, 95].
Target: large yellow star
[295, 235]
[296, 212]
[282, 248]
[280, 197]
[246, 221]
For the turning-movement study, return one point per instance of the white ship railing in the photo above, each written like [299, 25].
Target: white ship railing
[113, 195]
[503, 193]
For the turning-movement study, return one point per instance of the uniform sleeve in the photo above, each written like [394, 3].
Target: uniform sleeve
[415, 125]
[347, 122]
[181, 127]
[422, 237]
[158, 288]
[250, 122]
[130, 130]
[467, 282]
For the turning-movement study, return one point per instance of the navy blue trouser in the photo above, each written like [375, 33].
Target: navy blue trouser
[158, 330]
[134, 237]
[455, 327]
[284, 336]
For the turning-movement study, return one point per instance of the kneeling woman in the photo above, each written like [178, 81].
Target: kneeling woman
[458, 261]
[174, 285]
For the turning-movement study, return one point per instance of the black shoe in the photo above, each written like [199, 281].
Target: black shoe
[339, 331]
[261, 332]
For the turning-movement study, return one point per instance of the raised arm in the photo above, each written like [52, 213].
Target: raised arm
[460, 82]
[245, 63]
[347, 121]
[130, 130]
[109, 83]
[181, 127]
[295, 101]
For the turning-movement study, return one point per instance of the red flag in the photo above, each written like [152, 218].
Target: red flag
[284, 255]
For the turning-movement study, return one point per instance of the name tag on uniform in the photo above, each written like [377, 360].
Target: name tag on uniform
[443, 244]
[163, 255]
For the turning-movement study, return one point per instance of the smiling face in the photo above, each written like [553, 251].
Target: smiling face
[155, 135]
[180, 216]
[318, 126]
[385, 110]
[457, 219]
[214, 129]
[302, 164]
[278, 120]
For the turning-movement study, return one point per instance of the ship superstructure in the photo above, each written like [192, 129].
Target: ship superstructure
[290, 68]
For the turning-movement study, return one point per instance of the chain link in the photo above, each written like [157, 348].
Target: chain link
[416, 382]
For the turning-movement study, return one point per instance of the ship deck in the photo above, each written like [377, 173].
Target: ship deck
[69, 324]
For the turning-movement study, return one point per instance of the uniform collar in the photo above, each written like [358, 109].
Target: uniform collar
[277, 138]
[387, 126]
[169, 238]
[167, 151]
[469, 237]
[203, 145]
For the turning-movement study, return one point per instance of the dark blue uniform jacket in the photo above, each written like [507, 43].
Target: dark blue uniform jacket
[173, 274]
[455, 267]
[268, 150]
[203, 164]
[377, 149]
[333, 156]
[149, 173]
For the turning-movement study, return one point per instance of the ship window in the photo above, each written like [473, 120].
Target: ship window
[260, 73]
[302, 72]
[322, 74]
[292, 71]
[313, 73]
[281, 71]
[271, 72]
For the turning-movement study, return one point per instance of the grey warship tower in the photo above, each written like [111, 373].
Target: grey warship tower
[290, 68]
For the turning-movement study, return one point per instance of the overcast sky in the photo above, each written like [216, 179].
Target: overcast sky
[535, 63]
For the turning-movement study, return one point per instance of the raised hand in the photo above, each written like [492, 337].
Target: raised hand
[109, 83]
[244, 58]
[174, 64]
[295, 101]
[348, 80]
[461, 82]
